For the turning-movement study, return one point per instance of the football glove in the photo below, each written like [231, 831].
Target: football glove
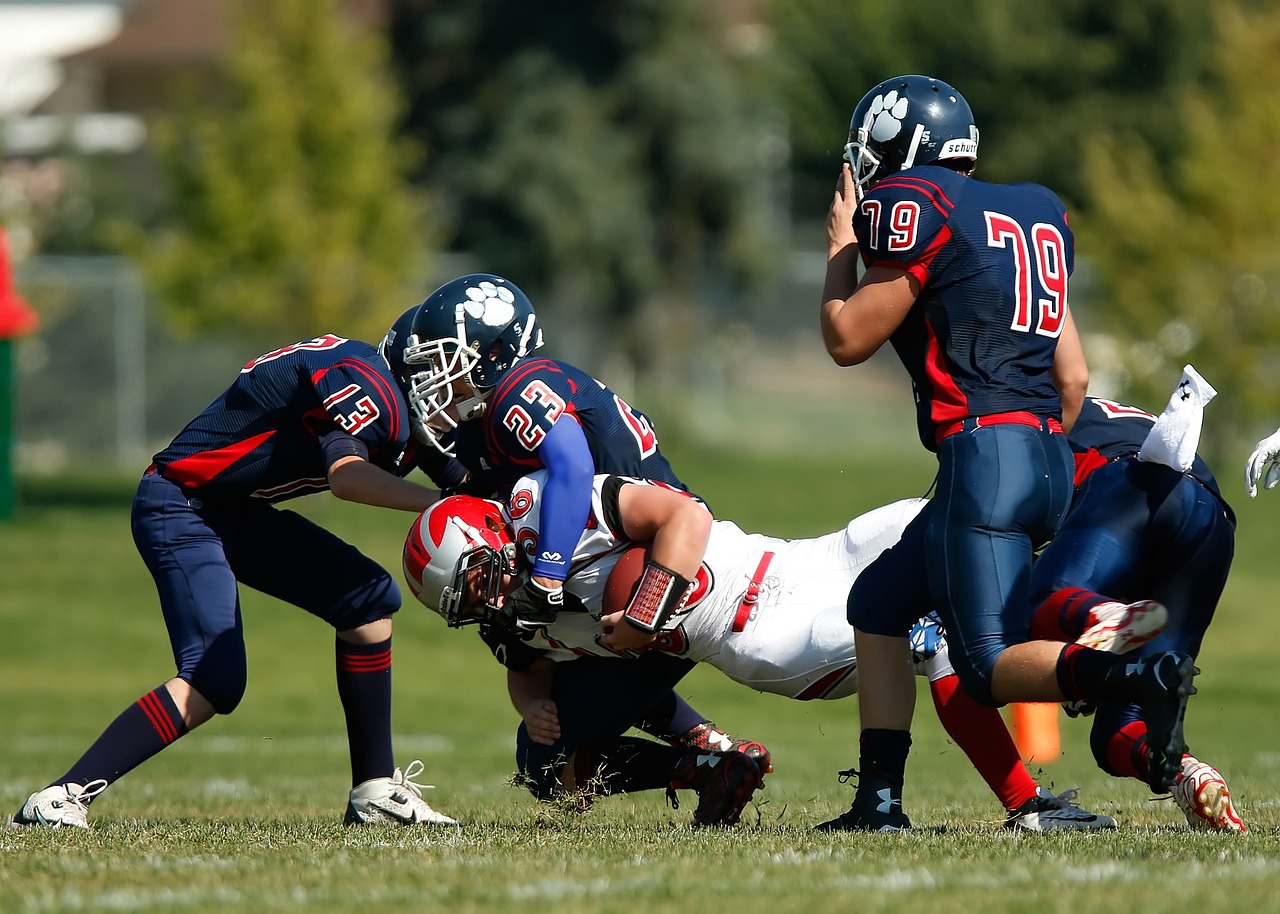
[1263, 465]
[533, 606]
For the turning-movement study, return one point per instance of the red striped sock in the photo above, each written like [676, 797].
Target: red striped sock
[1064, 614]
[142, 729]
[1127, 751]
[364, 686]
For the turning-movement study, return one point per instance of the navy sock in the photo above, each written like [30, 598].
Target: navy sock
[364, 686]
[142, 729]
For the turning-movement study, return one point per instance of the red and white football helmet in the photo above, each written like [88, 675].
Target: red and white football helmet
[456, 556]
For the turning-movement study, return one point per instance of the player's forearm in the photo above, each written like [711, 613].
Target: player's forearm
[353, 479]
[525, 687]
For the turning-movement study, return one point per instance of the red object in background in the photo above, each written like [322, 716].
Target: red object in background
[16, 317]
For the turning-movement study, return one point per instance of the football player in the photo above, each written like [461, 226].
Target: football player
[767, 612]
[320, 414]
[481, 397]
[1139, 528]
[968, 281]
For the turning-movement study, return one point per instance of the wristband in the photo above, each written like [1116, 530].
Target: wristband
[659, 594]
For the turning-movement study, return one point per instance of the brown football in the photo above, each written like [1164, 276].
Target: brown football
[621, 583]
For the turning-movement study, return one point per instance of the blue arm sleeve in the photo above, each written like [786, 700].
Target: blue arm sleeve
[566, 497]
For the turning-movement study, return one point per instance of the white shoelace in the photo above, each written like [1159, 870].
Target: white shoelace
[410, 772]
[86, 793]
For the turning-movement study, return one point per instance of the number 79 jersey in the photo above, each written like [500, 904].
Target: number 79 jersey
[993, 262]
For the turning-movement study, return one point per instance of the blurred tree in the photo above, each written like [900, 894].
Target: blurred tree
[1188, 245]
[289, 212]
[1040, 77]
[608, 156]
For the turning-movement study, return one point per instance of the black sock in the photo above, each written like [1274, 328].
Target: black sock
[669, 718]
[624, 765]
[1086, 674]
[142, 729]
[364, 686]
[883, 755]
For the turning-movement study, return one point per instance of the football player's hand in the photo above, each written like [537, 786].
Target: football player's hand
[620, 635]
[1263, 465]
[542, 720]
[533, 605]
[844, 205]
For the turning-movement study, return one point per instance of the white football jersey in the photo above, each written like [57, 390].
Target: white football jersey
[776, 624]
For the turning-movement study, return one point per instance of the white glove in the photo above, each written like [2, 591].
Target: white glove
[1264, 458]
[1174, 438]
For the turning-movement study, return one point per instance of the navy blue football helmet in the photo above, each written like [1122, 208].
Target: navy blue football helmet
[908, 121]
[466, 335]
[392, 349]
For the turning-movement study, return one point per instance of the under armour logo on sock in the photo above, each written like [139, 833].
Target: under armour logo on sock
[887, 801]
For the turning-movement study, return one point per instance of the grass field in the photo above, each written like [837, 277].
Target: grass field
[244, 815]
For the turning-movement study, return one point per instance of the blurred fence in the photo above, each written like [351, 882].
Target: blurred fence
[105, 382]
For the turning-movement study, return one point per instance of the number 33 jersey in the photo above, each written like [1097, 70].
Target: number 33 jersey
[993, 261]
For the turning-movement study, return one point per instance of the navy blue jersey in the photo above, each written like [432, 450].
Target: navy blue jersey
[993, 262]
[263, 436]
[1107, 431]
[502, 445]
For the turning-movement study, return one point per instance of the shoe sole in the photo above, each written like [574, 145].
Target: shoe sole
[1213, 810]
[1133, 631]
[1165, 759]
[1039, 822]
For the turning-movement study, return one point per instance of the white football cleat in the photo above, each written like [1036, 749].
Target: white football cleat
[397, 800]
[59, 806]
[1118, 629]
[1046, 812]
[1202, 794]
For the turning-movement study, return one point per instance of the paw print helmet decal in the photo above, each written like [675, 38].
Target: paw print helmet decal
[466, 335]
[908, 121]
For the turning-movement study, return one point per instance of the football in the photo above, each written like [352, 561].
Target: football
[624, 575]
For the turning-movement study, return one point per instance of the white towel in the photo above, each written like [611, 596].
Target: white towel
[1174, 438]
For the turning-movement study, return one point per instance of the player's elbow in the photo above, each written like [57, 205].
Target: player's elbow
[345, 479]
[845, 352]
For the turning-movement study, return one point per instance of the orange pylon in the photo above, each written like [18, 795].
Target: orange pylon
[1035, 731]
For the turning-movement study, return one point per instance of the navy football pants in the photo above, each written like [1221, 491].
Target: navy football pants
[596, 698]
[198, 551]
[1137, 531]
[1002, 492]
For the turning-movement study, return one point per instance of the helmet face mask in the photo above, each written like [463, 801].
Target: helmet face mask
[908, 121]
[467, 334]
[458, 557]
[441, 391]
[394, 349]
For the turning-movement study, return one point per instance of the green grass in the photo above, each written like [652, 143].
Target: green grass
[244, 814]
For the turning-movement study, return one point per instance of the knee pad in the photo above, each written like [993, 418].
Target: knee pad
[377, 599]
[222, 673]
[222, 688]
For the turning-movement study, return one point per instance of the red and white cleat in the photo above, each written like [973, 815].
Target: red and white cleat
[1204, 798]
[1118, 629]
